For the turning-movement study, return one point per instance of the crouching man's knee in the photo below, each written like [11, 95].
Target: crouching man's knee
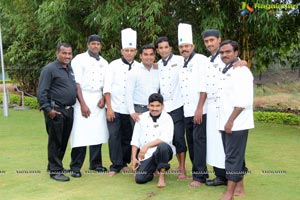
[143, 178]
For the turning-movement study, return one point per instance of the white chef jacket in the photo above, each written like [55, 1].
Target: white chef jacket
[169, 83]
[145, 131]
[192, 82]
[140, 84]
[115, 84]
[215, 155]
[213, 78]
[89, 73]
[236, 90]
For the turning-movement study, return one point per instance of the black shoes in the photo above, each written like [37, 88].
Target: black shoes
[100, 169]
[75, 174]
[59, 177]
[216, 182]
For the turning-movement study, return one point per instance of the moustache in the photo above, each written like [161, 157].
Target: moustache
[184, 51]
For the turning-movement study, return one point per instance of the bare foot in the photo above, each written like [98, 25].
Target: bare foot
[155, 174]
[161, 182]
[239, 193]
[112, 173]
[161, 179]
[195, 184]
[239, 189]
[182, 177]
[126, 169]
[227, 196]
[176, 170]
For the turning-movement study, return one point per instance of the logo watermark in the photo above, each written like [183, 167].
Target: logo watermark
[248, 8]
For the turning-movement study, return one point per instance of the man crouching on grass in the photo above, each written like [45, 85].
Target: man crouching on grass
[151, 142]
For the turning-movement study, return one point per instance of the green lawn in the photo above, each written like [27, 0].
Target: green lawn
[272, 158]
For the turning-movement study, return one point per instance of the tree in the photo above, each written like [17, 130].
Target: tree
[34, 28]
[23, 54]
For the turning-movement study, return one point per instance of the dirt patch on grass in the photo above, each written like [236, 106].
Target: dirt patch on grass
[277, 90]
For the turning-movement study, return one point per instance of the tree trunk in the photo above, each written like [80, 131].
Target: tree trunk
[250, 58]
[260, 75]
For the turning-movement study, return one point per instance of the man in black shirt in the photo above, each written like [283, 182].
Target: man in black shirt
[56, 95]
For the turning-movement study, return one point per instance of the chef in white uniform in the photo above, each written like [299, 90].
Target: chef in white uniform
[168, 73]
[118, 118]
[89, 127]
[236, 117]
[152, 147]
[215, 151]
[192, 83]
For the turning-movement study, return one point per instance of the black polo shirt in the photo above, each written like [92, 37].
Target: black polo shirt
[56, 84]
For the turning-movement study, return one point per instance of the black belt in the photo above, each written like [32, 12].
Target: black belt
[139, 105]
[64, 107]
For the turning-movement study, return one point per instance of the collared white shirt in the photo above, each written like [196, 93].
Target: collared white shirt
[213, 78]
[145, 131]
[89, 72]
[236, 90]
[115, 84]
[140, 84]
[169, 82]
[192, 82]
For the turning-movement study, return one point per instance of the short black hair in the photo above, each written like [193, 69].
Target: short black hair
[162, 39]
[234, 44]
[63, 44]
[156, 97]
[147, 46]
[94, 37]
[211, 32]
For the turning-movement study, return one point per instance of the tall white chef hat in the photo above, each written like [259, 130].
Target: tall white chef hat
[128, 38]
[185, 34]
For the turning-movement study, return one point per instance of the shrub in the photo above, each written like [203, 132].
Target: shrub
[6, 81]
[277, 118]
[16, 99]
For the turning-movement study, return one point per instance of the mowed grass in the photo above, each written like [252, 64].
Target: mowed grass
[272, 158]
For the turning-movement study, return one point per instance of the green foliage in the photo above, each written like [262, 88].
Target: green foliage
[277, 118]
[6, 81]
[32, 29]
[16, 99]
[26, 53]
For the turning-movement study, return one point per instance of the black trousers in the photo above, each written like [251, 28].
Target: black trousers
[235, 148]
[58, 129]
[120, 134]
[196, 139]
[221, 173]
[178, 139]
[138, 109]
[159, 159]
[78, 156]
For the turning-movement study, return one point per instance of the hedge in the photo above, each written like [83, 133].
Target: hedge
[16, 99]
[277, 118]
[259, 116]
